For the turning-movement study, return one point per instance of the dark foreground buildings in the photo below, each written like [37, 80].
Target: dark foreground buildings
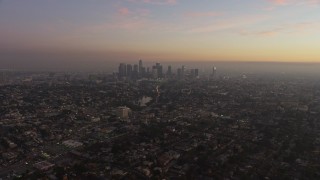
[79, 126]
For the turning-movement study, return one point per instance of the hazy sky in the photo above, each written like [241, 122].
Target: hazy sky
[244, 30]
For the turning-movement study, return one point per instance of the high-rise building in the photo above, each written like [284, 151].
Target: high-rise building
[214, 71]
[129, 71]
[159, 70]
[196, 72]
[182, 72]
[169, 71]
[155, 73]
[140, 66]
[135, 71]
[135, 68]
[122, 70]
[143, 72]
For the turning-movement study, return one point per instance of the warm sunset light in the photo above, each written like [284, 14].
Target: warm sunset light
[160, 89]
[233, 30]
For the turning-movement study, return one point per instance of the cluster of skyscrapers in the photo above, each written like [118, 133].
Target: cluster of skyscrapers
[138, 71]
[132, 71]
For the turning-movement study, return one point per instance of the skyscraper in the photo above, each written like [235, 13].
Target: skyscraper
[182, 72]
[196, 71]
[160, 71]
[135, 68]
[129, 71]
[214, 71]
[169, 71]
[135, 71]
[140, 66]
[155, 73]
[143, 72]
[122, 70]
[158, 66]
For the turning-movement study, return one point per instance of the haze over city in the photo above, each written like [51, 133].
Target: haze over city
[45, 33]
[159, 89]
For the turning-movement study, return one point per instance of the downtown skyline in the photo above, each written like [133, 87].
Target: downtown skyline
[159, 30]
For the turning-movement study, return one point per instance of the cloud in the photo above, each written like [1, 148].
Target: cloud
[309, 2]
[203, 14]
[228, 24]
[271, 32]
[279, 2]
[274, 4]
[132, 19]
[156, 2]
[294, 2]
[297, 28]
[133, 12]
[123, 11]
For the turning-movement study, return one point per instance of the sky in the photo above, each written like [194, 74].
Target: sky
[38, 31]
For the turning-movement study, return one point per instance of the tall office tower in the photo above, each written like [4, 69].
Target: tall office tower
[129, 70]
[135, 71]
[135, 68]
[158, 66]
[155, 72]
[140, 66]
[143, 72]
[160, 71]
[169, 71]
[196, 72]
[214, 71]
[122, 70]
[183, 71]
